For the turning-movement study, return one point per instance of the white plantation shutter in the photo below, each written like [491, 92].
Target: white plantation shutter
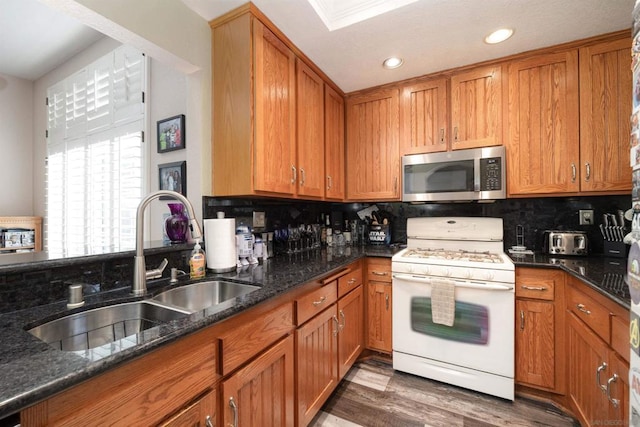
[95, 156]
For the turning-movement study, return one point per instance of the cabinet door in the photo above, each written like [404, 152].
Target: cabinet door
[274, 147]
[423, 114]
[317, 376]
[334, 144]
[351, 336]
[373, 154]
[618, 390]
[262, 393]
[379, 316]
[310, 131]
[542, 130]
[202, 413]
[476, 108]
[535, 343]
[588, 365]
[605, 108]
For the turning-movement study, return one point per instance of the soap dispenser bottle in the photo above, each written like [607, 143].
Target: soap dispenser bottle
[197, 262]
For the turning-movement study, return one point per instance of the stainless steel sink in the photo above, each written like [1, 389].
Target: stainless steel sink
[201, 295]
[93, 328]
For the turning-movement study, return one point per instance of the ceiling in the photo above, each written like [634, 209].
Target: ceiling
[431, 35]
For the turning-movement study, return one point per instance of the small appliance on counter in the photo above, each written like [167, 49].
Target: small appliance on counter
[561, 242]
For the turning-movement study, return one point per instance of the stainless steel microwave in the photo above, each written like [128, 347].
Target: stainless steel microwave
[476, 174]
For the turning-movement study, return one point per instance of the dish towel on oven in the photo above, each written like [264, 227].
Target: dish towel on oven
[443, 302]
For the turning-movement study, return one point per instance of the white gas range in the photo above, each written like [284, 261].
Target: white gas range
[453, 304]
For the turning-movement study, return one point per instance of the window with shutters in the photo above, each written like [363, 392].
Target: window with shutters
[95, 156]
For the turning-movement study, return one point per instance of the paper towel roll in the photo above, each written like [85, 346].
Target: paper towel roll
[220, 241]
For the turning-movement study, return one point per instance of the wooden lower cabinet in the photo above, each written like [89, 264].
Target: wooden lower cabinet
[201, 413]
[351, 329]
[540, 328]
[262, 393]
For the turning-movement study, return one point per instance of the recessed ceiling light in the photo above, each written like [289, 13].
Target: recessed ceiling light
[393, 62]
[499, 36]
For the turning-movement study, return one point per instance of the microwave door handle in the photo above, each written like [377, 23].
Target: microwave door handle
[476, 175]
[470, 285]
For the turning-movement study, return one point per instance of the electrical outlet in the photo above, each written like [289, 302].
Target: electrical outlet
[586, 216]
[259, 220]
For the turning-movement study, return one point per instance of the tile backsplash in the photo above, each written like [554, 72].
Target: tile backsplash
[534, 214]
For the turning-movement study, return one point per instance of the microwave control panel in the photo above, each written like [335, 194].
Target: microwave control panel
[491, 174]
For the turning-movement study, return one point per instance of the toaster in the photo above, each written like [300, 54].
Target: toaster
[565, 242]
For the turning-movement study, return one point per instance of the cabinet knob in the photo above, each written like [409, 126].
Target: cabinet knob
[574, 172]
[587, 167]
[294, 174]
[301, 176]
[329, 184]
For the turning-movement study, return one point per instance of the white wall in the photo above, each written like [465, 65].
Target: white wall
[16, 136]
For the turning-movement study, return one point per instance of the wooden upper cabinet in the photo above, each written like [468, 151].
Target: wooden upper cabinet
[542, 127]
[334, 144]
[274, 150]
[605, 108]
[424, 117]
[373, 153]
[476, 108]
[310, 131]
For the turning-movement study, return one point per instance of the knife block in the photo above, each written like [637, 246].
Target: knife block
[616, 249]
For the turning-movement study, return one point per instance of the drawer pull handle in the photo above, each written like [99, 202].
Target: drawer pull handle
[352, 281]
[317, 303]
[601, 368]
[534, 288]
[522, 320]
[234, 407]
[344, 320]
[614, 402]
[573, 172]
[583, 309]
[379, 273]
[386, 300]
[337, 329]
[208, 422]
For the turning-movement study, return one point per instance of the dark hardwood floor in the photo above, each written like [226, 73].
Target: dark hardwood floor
[373, 394]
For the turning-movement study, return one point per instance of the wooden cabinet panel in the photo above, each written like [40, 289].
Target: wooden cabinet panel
[141, 392]
[351, 280]
[594, 315]
[535, 343]
[542, 128]
[618, 390]
[334, 150]
[351, 336]
[241, 343]
[476, 108]
[379, 269]
[310, 131]
[538, 283]
[605, 108]
[202, 413]
[262, 393]
[373, 153]
[424, 117]
[274, 149]
[317, 371]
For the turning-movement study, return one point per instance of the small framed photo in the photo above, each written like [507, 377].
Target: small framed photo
[171, 134]
[173, 177]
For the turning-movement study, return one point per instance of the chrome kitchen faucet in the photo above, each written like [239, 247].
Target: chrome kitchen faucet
[140, 273]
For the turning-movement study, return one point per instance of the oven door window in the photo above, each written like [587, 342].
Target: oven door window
[439, 177]
[471, 323]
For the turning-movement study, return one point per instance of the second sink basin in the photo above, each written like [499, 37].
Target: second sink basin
[201, 295]
[99, 326]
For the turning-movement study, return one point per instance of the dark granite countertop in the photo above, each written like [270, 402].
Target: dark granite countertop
[606, 275]
[32, 370]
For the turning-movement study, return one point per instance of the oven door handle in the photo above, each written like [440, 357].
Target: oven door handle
[460, 284]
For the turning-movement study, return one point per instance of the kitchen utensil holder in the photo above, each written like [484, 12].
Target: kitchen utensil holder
[616, 249]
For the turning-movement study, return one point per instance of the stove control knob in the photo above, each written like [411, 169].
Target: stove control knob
[447, 272]
[489, 275]
[410, 268]
[425, 270]
[468, 274]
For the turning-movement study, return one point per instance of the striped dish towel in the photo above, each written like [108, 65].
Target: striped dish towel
[443, 303]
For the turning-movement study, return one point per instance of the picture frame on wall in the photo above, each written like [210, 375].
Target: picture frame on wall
[173, 177]
[171, 134]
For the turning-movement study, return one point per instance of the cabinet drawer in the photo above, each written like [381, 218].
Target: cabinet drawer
[379, 269]
[244, 342]
[594, 315]
[538, 283]
[316, 301]
[620, 336]
[349, 281]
